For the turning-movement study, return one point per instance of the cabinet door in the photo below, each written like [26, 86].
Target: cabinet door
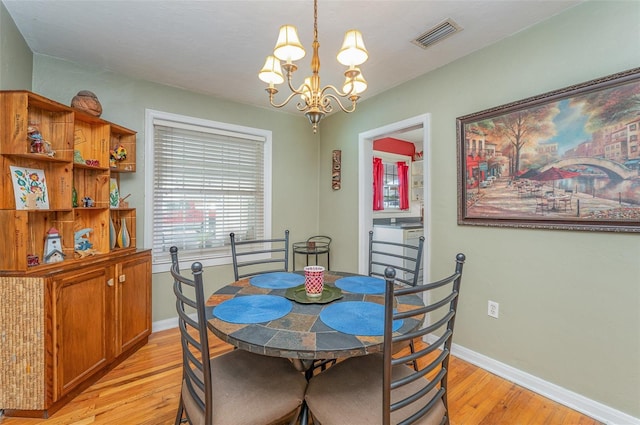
[80, 327]
[134, 301]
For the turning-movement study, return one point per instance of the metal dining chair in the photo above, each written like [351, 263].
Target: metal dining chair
[237, 387]
[404, 257]
[381, 388]
[257, 256]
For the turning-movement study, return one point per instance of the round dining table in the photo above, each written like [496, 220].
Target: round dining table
[270, 314]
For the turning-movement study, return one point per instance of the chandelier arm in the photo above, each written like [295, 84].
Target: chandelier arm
[337, 92]
[285, 101]
[334, 97]
[294, 91]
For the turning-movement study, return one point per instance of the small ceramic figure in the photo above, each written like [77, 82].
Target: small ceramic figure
[35, 139]
[81, 240]
[87, 202]
[77, 157]
[33, 260]
[53, 247]
[38, 144]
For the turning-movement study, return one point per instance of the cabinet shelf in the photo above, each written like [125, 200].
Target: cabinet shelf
[79, 165]
[38, 157]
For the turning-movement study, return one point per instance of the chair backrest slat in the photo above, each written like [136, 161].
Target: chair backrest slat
[249, 255]
[419, 395]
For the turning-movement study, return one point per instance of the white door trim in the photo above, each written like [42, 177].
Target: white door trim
[365, 195]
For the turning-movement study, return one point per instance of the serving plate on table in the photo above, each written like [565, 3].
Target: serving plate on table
[299, 295]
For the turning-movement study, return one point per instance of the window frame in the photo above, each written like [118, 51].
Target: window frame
[150, 117]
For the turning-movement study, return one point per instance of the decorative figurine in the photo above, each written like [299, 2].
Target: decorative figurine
[88, 102]
[88, 202]
[53, 247]
[35, 139]
[81, 243]
[77, 157]
[33, 260]
[81, 240]
[37, 143]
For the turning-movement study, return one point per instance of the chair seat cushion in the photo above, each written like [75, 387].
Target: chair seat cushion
[350, 392]
[250, 389]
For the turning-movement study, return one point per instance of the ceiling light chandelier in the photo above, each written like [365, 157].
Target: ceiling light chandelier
[315, 101]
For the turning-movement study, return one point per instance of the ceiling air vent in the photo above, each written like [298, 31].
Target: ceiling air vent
[437, 33]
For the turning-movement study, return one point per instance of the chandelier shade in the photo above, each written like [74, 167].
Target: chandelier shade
[288, 47]
[314, 100]
[353, 52]
[271, 72]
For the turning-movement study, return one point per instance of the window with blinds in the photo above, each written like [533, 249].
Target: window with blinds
[209, 179]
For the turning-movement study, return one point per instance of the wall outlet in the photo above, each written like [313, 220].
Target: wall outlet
[493, 309]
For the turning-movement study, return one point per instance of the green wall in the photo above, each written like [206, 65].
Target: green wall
[16, 65]
[569, 300]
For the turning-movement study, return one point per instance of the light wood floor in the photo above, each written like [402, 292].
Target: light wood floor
[144, 389]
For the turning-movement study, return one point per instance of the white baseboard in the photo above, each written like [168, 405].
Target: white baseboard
[162, 325]
[591, 408]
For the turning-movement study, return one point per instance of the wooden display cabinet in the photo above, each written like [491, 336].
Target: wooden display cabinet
[65, 323]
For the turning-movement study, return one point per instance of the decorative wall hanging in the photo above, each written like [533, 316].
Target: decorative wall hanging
[336, 170]
[567, 159]
[29, 188]
[114, 194]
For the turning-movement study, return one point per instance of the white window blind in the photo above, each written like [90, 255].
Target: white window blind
[207, 182]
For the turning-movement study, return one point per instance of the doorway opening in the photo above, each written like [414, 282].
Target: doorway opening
[419, 127]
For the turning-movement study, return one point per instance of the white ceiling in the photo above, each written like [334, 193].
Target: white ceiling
[217, 47]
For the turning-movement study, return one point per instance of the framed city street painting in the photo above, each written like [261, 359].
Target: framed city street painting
[567, 159]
